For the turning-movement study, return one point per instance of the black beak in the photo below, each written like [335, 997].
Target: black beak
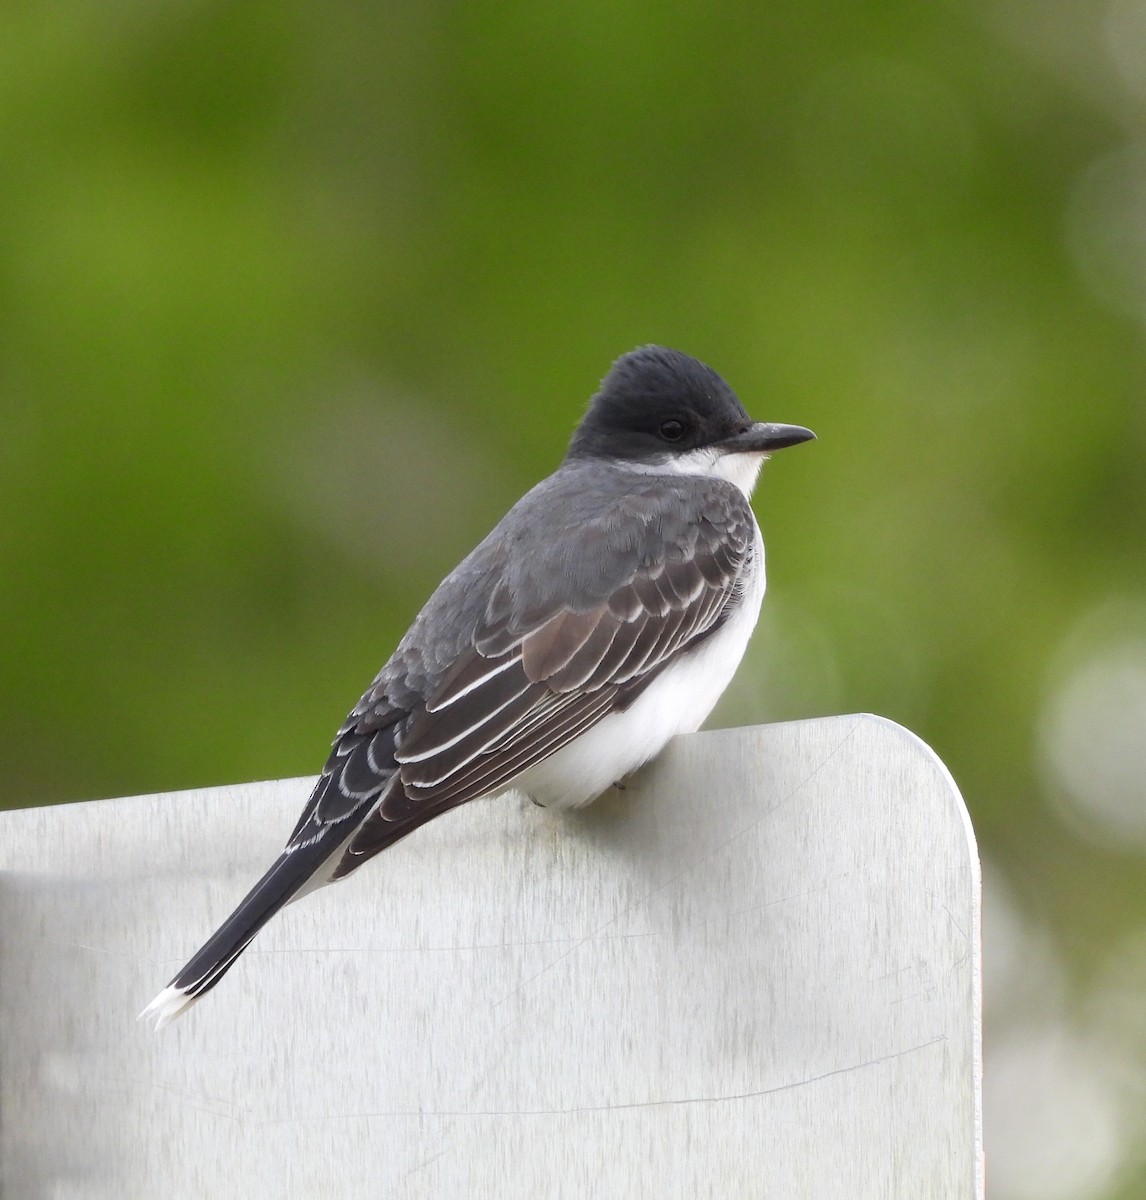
[762, 436]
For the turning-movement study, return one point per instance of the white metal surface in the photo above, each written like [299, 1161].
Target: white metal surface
[754, 973]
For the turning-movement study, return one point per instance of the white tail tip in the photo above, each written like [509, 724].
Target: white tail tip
[169, 1004]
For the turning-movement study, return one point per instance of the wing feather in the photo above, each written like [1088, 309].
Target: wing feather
[611, 668]
[554, 644]
[585, 660]
[442, 726]
[468, 673]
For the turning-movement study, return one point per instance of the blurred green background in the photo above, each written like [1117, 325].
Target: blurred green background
[277, 278]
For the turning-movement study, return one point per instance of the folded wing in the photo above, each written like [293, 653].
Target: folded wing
[536, 674]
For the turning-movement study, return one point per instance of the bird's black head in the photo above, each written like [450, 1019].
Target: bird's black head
[656, 404]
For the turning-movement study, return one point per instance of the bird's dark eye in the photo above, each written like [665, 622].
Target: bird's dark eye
[672, 430]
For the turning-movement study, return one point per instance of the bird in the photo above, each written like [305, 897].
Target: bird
[603, 615]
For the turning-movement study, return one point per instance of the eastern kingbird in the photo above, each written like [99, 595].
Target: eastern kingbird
[604, 614]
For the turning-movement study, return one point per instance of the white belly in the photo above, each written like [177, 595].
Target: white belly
[677, 702]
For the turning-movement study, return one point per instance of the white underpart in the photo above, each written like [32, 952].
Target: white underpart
[678, 701]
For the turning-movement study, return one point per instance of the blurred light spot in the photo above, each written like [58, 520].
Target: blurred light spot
[1055, 1102]
[1106, 229]
[1093, 736]
[1052, 1123]
[1025, 979]
[1119, 1013]
[1124, 31]
[1118, 1017]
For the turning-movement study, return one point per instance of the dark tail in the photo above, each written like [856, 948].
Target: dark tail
[295, 867]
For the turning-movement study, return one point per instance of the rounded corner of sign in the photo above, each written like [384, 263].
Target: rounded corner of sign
[931, 756]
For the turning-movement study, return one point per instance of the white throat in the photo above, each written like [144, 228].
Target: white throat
[740, 469]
